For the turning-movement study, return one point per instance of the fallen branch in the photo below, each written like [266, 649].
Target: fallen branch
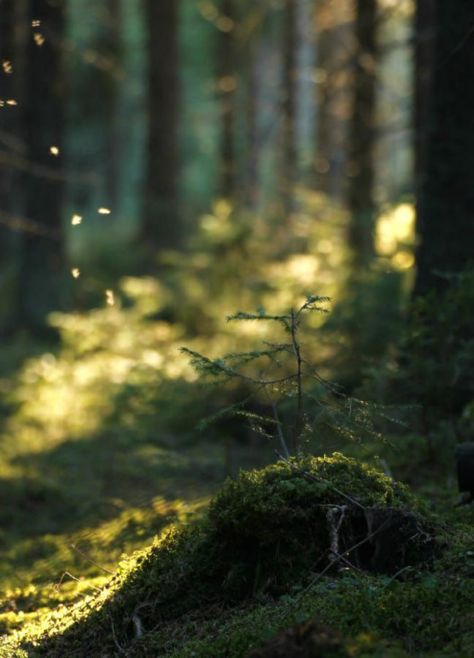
[86, 557]
[137, 623]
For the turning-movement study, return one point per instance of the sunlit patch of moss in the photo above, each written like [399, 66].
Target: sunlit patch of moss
[20, 607]
[68, 558]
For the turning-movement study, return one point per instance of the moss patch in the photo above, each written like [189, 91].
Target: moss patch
[278, 523]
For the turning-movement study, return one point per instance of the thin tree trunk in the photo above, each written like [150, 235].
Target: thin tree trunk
[362, 138]
[332, 77]
[227, 85]
[290, 154]
[445, 223]
[253, 146]
[161, 221]
[113, 146]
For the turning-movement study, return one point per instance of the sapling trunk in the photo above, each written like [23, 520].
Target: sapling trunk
[299, 422]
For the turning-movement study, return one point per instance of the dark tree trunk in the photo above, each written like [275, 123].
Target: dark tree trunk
[424, 59]
[161, 221]
[42, 280]
[290, 156]
[362, 137]
[445, 222]
[8, 117]
[226, 86]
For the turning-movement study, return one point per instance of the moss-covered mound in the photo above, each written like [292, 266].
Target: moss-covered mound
[277, 525]
[267, 533]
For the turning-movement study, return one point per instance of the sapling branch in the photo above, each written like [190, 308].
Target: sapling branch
[278, 425]
[288, 370]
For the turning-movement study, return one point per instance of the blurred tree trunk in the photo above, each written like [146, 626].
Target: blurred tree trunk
[290, 154]
[42, 278]
[161, 221]
[226, 86]
[112, 47]
[253, 145]
[7, 119]
[445, 222]
[8, 116]
[424, 55]
[332, 76]
[362, 136]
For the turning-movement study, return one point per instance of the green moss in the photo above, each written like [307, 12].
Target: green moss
[272, 524]
[266, 534]
[262, 499]
[428, 617]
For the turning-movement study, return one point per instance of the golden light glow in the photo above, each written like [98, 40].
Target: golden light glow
[303, 268]
[39, 38]
[76, 220]
[76, 272]
[54, 150]
[403, 260]
[222, 208]
[7, 66]
[395, 228]
[152, 358]
[110, 297]
[208, 11]
[227, 84]
[324, 246]
[225, 24]
[12, 101]
[319, 76]
[104, 211]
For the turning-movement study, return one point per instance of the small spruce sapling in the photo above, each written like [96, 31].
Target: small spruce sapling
[284, 376]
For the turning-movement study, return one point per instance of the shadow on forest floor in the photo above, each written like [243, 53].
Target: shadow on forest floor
[108, 494]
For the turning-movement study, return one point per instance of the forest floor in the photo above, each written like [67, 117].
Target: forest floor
[76, 502]
[60, 545]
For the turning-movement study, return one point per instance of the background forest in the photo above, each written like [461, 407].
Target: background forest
[303, 168]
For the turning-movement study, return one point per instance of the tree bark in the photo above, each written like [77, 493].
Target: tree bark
[445, 222]
[362, 137]
[161, 219]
